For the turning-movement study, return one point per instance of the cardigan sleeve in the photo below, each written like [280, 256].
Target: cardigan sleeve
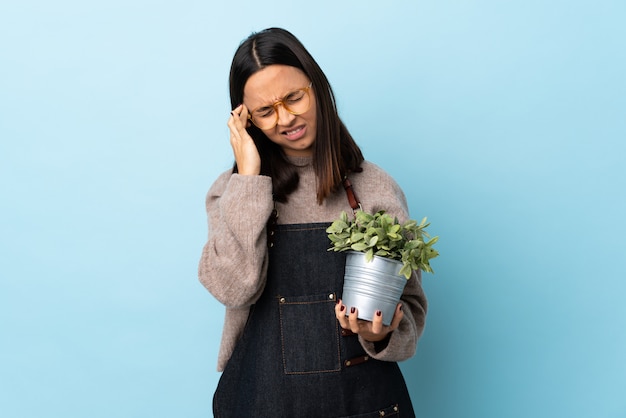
[377, 190]
[233, 265]
[402, 342]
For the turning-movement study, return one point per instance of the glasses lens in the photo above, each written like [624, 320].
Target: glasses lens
[296, 103]
[264, 119]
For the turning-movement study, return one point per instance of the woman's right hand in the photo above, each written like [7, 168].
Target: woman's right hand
[246, 154]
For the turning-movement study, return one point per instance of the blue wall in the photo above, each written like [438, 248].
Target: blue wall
[503, 121]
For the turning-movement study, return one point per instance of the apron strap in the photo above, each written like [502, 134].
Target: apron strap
[352, 199]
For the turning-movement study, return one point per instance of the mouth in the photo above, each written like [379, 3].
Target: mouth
[295, 133]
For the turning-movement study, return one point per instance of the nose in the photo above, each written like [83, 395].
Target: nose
[284, 117]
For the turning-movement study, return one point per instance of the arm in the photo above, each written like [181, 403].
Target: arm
[234, 259]
[398, 341]
[401, 343]
[233, 265]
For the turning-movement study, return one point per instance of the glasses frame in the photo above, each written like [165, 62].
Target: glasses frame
[306, 89]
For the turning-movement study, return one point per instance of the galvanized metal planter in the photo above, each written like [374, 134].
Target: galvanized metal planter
[372, 286]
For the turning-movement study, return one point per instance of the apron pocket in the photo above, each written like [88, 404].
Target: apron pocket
[309, 334]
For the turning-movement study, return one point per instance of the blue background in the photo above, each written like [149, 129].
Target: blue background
[504, 122]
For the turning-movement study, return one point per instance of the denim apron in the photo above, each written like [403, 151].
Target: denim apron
[293, 359]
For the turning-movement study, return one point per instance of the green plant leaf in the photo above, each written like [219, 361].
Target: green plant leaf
[337, 226]
[406, 271]
[394, 237]
[357, 236]
[372, 241]
[359, 246]
[363, 217]
[335, 238]
[410, 224]
[382, 235]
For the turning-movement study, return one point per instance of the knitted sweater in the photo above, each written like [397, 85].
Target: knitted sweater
[234, 260]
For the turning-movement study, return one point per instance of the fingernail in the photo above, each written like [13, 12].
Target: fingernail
[343, 308]
[352, 309]
[378, 313]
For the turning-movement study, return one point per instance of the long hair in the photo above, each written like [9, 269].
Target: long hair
[335, 154]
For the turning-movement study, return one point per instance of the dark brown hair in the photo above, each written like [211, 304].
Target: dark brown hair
[335, 152]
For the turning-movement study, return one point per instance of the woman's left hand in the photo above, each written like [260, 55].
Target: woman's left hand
[369, 330]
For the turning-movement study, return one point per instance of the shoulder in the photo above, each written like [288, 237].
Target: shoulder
[374, 176]
[371, 169]
[378, 190]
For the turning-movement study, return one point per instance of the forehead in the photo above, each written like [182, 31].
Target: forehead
[271, 84]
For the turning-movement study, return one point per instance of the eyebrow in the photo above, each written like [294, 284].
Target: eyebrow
[271, 103]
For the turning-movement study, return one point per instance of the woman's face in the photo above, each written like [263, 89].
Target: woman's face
[295, 134]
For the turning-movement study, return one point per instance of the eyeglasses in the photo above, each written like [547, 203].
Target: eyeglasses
[295, 102]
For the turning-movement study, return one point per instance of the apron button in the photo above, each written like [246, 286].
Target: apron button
[331, 296]
[282, 300]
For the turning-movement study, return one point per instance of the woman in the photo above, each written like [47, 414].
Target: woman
[288, 348]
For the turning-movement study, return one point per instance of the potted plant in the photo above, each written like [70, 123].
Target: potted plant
[382, 253]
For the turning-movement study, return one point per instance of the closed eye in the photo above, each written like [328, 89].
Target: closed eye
[294, 97]
[264, 112]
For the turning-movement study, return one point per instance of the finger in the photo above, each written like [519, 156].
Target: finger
[239, 130]
[243, 114]
[397, 317]
[237, 125]
[234, 122]
[353, 319]
[340, 313]
[246, 153]
[245, 117]
[236, 111]
[234, 132]
[377, 323]
[236, 115]
[240, 114]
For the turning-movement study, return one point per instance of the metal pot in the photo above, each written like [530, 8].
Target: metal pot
[371, 286]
